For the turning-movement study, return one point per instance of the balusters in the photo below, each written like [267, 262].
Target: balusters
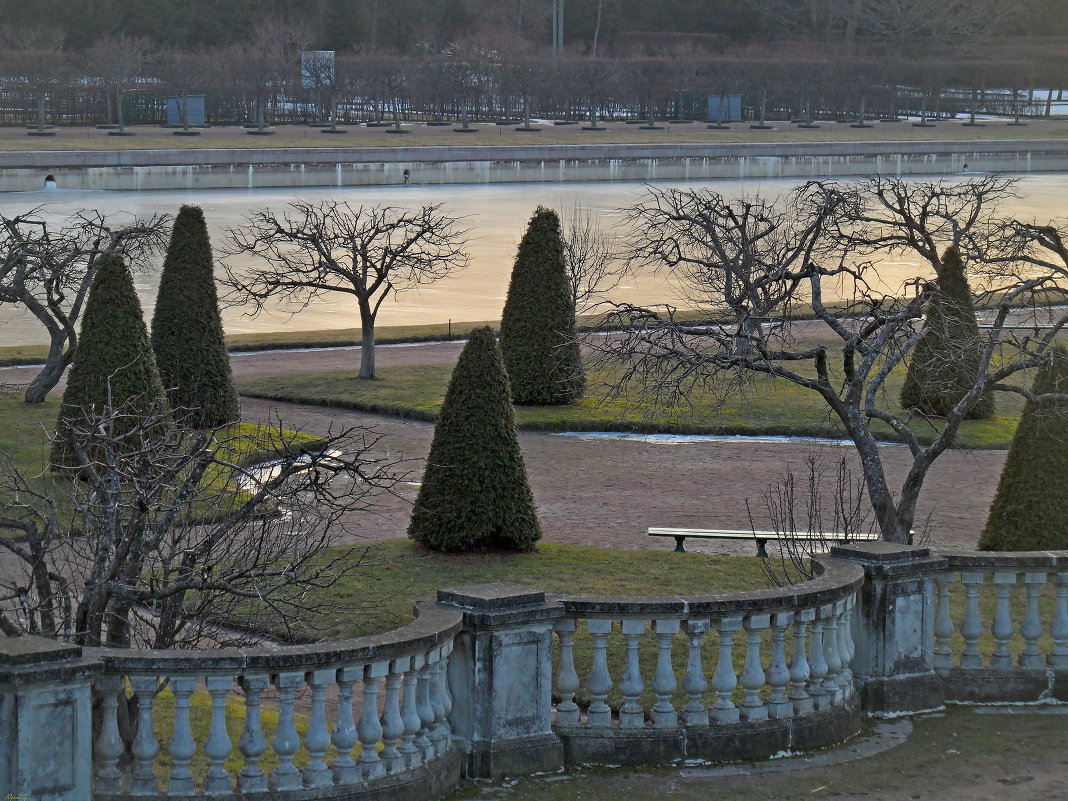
[1031, 629]
[846, 647]
[831, 688]
[567, 680]
[599, 682]
[370, 730]
[217, 745]
[664, 684]
[817, 664]
[1058, 630]
[695, 713]
[286, 741]
[752, 672]
[723, 680]
[943, 623]
[252, 779]
[108, 747]
[392, 722]
[437, 734]
[631, 714]
[426, 711]
[1002, 628]
[778, 675]
[446, 696]
[410, 713]
[317, 738]
[145, 747]
[971, 628]
[181, 746]
[799, 667]
[344, 770]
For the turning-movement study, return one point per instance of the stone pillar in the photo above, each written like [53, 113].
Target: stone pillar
[500, 674]
[46, 726]
[893, 626]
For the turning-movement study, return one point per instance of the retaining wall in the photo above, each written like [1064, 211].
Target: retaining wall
[377, 166]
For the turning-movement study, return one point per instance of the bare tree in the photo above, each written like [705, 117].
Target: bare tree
[34, 59]
[118, 61]
[589, 255]
[156, 530]
[186, 71]
[309, 250]
[808, 518]
[860, 334]
[48, 270]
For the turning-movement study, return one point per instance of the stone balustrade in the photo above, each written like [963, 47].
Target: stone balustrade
[1001, 626]
[775, 664]
[388, 727]
[498, 680]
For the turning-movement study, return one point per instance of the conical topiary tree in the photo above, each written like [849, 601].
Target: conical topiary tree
[475, 495]
[114, 361]
[187, 332]
[945, 362]
[538, 339]
[1030, 508]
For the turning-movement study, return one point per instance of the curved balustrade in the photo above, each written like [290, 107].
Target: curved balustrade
[1001, 624]
[398, 717]
[798, 648]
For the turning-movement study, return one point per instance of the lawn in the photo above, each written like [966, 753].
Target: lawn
[769, 406]
[24, 438]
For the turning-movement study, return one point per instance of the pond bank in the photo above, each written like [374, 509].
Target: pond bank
[233, 168]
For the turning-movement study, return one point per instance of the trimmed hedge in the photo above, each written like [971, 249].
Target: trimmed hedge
[475, 495]
[113, 354]
[538, 339]
[1030, 508]
[187, 331]
[945, 362]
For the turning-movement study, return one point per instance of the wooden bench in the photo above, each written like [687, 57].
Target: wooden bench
[761, 537]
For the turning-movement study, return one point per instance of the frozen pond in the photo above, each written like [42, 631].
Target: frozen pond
[496, 214]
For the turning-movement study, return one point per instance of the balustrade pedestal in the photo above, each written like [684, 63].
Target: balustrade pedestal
[893, 626]
[500, 674]
[46, 719]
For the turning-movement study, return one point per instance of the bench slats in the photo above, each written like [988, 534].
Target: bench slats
[761, 537]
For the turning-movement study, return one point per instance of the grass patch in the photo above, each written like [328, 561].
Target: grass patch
[25, 430]
[771, 406]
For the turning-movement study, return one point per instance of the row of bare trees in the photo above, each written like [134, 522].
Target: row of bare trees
[260, 79]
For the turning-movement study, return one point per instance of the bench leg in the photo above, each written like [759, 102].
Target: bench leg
[678, 545]
[762, 548]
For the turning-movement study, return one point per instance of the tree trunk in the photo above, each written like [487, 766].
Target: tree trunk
[597, 29]
[259, 112]
[367, 349]
[40, 111]
[55, 364]
[118, 108]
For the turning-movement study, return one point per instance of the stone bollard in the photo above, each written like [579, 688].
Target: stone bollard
[500, 674]
[893, 626]
[46, 749]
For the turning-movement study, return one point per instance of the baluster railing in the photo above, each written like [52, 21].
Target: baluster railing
[631, 714]
[316, 773]
[567, 680]
[1031, 628]
[800, 672]
[778, 675]
[943, 622]
[182, 746]
[145, 746]
[695, 713]
[971, 628]
[1002, 629]
[252, 744]
[724, 680]
[600, 682]
[1058, 630]
[217, 745]
[370, 728]
[392, 722]
[286, 741]
[753, 672]
[108, 747]
[817, 663]
[664, 684]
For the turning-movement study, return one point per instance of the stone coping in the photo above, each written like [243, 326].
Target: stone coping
[838, 579]
[60, 159]
[994, 560]
[434, 624]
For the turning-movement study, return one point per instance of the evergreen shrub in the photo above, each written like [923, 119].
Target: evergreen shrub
[945, 362]
[187, 331]
[538, 340]
[1030, 508]
[475, 495]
